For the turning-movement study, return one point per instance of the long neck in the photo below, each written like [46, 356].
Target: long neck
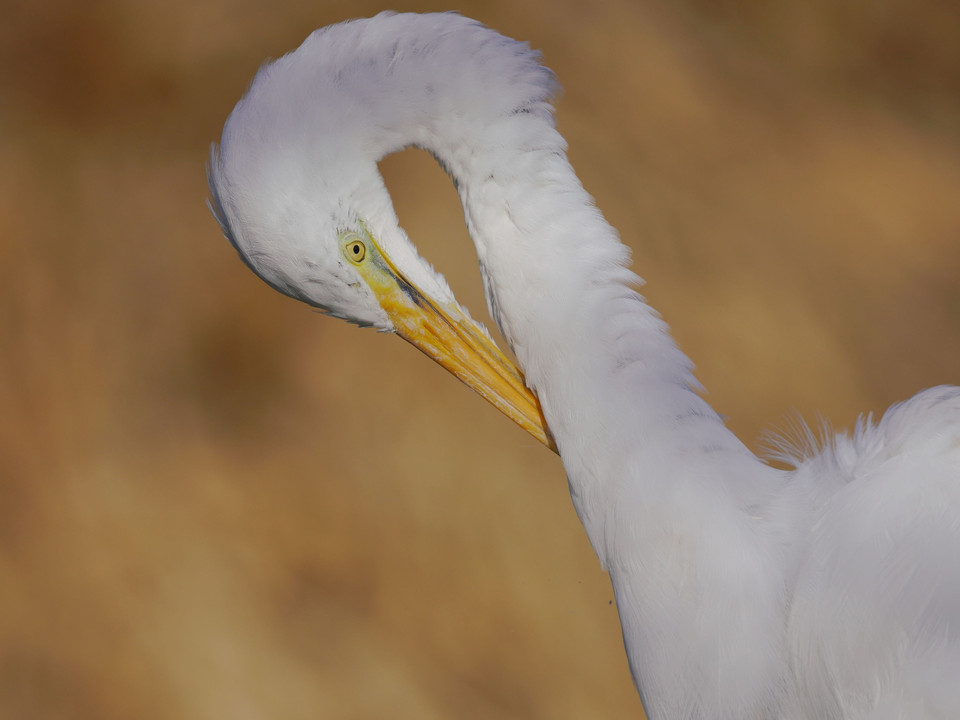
[612, 382]
[666, 493]
[690, 524]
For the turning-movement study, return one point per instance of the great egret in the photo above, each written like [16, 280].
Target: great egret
[831, 591]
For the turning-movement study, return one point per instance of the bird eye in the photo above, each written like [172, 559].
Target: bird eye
[354, 248]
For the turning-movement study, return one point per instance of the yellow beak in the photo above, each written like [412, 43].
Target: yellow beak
[458, 343]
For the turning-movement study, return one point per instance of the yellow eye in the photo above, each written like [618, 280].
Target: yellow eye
[355, 249]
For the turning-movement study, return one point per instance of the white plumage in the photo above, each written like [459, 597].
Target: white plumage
[828, 592]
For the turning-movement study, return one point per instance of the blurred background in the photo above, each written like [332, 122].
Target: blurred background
[216, 503]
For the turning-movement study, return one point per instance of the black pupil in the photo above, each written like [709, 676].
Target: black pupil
[356, 249]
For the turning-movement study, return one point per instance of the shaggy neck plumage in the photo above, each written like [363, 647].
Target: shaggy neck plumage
[602, 361]
[665, 492]
[622, 404]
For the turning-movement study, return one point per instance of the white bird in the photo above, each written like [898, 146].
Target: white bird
[744, 591]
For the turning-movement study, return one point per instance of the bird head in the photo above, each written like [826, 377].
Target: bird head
[296, 190]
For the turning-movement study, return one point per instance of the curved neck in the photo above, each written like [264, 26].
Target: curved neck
[665, 492]
[611, 380]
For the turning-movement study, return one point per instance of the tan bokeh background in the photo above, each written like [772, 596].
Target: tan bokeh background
[215, 503]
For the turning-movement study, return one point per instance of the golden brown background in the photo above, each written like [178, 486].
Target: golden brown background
[215, 503]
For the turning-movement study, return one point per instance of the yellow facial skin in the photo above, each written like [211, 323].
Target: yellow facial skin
[448, 335]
